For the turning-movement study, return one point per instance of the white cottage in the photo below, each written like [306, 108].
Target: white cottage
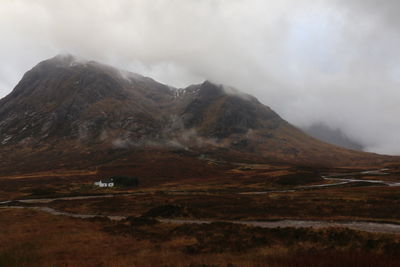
[105, 183]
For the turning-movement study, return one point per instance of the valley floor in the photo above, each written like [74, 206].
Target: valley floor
[33, 238]
[256, 215]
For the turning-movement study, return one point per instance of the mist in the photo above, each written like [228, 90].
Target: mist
[334, 62]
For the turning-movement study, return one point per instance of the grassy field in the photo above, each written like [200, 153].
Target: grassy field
[243, 192]
[31, 238]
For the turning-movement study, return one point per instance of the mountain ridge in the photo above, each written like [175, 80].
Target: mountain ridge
[70, 107]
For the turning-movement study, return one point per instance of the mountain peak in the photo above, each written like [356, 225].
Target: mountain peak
[62, 60]
[87, 106]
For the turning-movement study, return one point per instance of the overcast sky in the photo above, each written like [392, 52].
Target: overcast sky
[332, 61]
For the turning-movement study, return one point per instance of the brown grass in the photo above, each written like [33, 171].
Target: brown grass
[30, 238]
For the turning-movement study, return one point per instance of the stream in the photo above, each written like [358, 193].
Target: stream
[338, 178]
[376, 227]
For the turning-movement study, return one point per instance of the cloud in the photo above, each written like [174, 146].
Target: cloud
[312, 61]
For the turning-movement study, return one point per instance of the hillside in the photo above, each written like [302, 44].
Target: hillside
[70, 113]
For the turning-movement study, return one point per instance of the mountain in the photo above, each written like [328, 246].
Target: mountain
[71, 113]
[332, 136]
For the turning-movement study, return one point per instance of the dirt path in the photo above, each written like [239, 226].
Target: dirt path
[50, 174]
[339, 179]
[68, 214]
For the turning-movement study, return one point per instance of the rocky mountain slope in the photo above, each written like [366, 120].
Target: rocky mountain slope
[68, 113]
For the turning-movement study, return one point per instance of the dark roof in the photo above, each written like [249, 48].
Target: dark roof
[106, 181]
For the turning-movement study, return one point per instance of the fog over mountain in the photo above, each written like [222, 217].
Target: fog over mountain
[332, 136]
[334, 62]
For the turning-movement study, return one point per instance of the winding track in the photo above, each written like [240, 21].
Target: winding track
[356, 225]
